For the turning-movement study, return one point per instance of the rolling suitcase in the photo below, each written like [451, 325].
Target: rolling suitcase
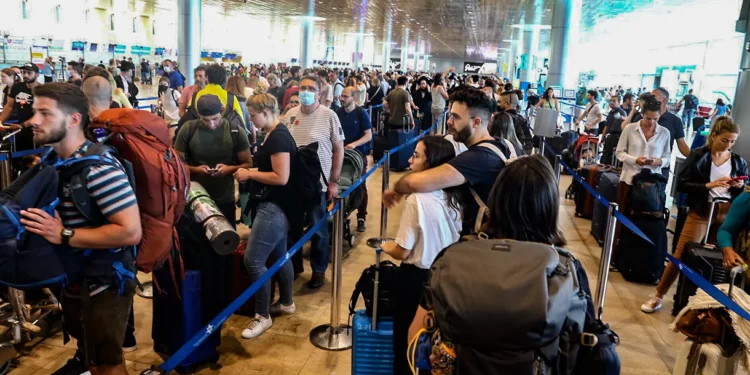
[178, 316]
[720, 358]
[607, 188]
[372, 341]
[241, 280]
[703, 258]
[584, 200]
[637, 260]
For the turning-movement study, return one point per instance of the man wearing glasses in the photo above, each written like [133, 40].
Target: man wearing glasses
[312, 122]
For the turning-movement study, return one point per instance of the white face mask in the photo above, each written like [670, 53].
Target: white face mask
[168, 69]
[307, 98]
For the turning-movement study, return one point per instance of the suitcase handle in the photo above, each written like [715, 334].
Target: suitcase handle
[736, 271]
[376, 289]
[711, 215]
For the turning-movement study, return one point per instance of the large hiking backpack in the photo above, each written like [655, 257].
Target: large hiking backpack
[162, 181]
[509, 307]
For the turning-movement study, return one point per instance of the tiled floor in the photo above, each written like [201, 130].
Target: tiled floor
[647, 346]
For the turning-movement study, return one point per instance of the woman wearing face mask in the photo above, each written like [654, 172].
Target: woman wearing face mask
[709, 172]
[267, 242]
[169, 99]
[429, 223]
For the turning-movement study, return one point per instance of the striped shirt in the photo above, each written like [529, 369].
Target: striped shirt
[321, 126]
[109, 189]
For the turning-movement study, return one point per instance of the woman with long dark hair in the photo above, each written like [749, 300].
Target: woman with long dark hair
[548, 100]
[8, 77]
[439, 100]
[430, 222]
[502, 127]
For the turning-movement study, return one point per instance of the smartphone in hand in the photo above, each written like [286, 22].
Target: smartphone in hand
[739, 179]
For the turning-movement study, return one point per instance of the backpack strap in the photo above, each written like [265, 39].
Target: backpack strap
[483, 210]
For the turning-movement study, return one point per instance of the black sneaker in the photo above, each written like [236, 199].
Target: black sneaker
[129, 345]
[75, 366]
[361, 225]
[317, 280]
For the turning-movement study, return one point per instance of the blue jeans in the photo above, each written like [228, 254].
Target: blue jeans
[319, 249]
[268, 241]
[687, 117]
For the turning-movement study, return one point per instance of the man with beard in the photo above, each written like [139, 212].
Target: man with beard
[99, 323]
[20, 102]
[199, 76]
[477, 168]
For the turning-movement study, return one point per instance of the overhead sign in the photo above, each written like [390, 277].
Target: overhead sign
[472, 67]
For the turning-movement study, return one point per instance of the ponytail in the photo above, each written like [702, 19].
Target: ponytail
[721, 125]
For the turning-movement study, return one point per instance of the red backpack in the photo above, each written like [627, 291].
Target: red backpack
[162, 181]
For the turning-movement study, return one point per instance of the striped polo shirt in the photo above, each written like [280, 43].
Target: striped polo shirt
[321, 126]
[108, 187]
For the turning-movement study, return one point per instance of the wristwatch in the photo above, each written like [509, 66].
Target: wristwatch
[67, 234]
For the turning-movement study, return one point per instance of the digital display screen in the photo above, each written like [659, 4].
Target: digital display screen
[78, 46]
[93, 47]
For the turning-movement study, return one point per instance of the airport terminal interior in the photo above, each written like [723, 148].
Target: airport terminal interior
[637, 103]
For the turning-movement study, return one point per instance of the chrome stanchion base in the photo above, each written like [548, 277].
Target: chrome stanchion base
[327, 337]
[148, 290]
[375, 242]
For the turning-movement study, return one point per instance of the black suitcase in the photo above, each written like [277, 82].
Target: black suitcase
[608, 153]
[698, 122]
[557, 144]
[706, 260]
[608, 182]
[637, 260]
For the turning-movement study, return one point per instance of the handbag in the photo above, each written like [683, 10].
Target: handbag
[704, 325]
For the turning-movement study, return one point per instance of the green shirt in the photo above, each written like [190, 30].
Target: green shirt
[212, 147]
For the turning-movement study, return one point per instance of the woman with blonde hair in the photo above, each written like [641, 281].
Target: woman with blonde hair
[273, 214]
[709, 173]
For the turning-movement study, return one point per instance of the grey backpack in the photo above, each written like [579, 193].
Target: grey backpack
[508, 307]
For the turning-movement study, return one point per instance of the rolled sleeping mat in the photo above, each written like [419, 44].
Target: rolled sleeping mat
[219, 231]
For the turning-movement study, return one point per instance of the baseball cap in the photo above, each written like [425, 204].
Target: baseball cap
[30, 67]
[209, 105]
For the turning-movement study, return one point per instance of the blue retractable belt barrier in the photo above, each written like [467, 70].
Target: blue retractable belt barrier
[172, 362]
[699, 281]
[21, 154]
[147, 99]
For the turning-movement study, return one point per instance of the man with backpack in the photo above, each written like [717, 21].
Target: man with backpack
[509, 103]
[477, 168]
[314, 123]
[213, 149]
[217, 79]
[357, 135]
[691, 105]
[337, 87]
[96, 301]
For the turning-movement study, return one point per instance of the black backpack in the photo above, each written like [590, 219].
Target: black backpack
[191, 113]
[305, 181]
[649, 195]
[388, 284]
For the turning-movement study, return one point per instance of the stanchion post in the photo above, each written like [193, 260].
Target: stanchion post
[541, 145]
[604, 261]
[335, 336]
[558, 166]
[375, 242]
[5, 170]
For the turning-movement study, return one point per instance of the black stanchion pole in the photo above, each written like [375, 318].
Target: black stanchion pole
[558, 167]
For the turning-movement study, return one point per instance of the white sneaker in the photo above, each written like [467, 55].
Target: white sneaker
[278, 309]
[256, 327]
[652, 305]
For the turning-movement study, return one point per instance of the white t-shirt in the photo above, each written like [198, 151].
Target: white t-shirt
[169, 102]
[428, 225]
[322, 126]
[457, 146]
[717, 172]
[594, 111]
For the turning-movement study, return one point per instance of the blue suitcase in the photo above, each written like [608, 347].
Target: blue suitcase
[372, 349]
[177, 318]
[400, 159]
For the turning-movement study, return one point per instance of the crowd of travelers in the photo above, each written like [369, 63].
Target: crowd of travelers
[476, 179]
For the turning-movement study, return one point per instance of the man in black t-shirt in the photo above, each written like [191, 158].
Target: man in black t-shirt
[20, 101]
[691, 103]
[477, 168]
